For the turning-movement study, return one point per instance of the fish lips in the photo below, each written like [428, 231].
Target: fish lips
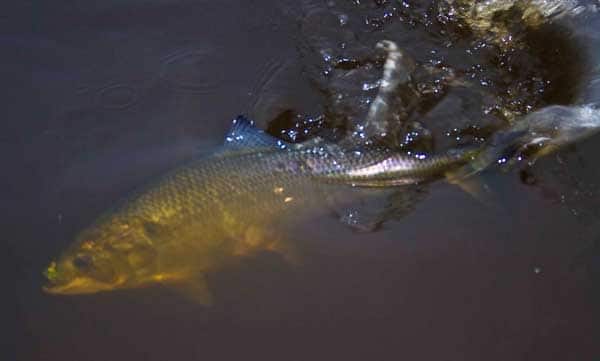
[78, 286]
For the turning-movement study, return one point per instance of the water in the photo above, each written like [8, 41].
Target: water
[100, 98]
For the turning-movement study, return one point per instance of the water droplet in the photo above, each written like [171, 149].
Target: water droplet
[370, 86]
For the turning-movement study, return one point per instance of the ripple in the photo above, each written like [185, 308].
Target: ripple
[117, 96]
[187, 71]
[269, 71]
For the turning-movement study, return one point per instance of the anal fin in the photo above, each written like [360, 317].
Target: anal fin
[376, 206]
[478, 188]
[289, 251]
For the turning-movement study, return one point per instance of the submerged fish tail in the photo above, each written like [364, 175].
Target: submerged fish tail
[404, 169]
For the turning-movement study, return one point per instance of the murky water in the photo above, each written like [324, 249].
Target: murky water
[100, 98]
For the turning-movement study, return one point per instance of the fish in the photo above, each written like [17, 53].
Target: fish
[237, 201]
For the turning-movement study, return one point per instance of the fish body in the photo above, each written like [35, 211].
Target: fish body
[237, 201]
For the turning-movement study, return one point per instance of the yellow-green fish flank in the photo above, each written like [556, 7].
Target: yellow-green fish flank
[237, 201]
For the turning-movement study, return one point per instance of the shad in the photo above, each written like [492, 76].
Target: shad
[237, 201]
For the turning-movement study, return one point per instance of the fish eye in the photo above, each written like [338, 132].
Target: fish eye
[83, 261]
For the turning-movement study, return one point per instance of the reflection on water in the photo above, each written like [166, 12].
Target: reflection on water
[104, 97]
[491, 78]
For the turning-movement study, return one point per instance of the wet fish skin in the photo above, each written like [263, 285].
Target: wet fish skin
[237, 201]
[396, 170]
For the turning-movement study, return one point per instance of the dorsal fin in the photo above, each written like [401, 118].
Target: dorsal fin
[244, 136]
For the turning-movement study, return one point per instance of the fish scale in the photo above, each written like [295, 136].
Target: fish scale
[242, 199]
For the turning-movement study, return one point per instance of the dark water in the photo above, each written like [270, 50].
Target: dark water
[100, 97]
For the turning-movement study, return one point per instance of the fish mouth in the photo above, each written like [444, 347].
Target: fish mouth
[62, 279]
[80, 286]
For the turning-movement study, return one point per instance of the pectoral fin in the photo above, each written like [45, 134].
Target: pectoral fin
[256, 239]
[196, 290]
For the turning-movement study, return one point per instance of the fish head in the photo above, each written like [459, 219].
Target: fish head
[108, 255]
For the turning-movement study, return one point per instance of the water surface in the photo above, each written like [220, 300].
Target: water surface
[100, 98]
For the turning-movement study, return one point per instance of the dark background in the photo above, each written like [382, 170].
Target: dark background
[101, 96]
